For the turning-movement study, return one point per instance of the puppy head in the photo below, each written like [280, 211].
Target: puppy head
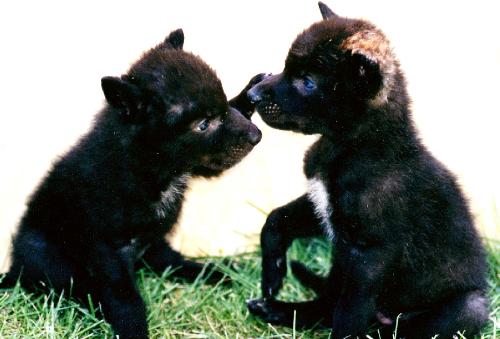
[333, 66]
[172, 105]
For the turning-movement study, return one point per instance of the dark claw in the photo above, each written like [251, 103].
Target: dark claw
[255, 304]
[258, 307]
[263, 308]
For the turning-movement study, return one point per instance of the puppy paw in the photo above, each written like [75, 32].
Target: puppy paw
[263, 308]
[256, 79]
[241, 102]
[257, 306]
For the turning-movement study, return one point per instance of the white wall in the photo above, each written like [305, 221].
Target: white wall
[53, 54]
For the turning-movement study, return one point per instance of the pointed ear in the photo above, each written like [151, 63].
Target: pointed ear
[368, 75]
[123, 95]
[175, 39]
[326, 12]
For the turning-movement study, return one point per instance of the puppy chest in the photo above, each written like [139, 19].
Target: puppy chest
[318, 195]
[171, 199]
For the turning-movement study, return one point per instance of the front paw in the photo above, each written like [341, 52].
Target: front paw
[263, 308]
[273, 273]
[256, 79]
[241, 102]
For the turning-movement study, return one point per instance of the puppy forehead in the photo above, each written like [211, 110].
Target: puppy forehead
[327, 33]
[173, 73]
[193, 109]
[179, 108]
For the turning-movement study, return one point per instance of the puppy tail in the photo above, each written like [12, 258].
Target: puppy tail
[307, 277]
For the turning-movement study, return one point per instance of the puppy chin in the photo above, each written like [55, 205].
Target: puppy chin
[279, 122]
[215, 166]
[206, 172]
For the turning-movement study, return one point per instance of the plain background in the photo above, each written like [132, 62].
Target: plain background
[54, 53]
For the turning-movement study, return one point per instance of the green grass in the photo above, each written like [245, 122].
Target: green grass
[180, 310]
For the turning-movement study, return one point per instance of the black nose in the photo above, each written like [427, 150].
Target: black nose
[254, 94]
[254, 136]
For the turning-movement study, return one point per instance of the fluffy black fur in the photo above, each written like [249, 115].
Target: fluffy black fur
[404, 240]
[112, 198]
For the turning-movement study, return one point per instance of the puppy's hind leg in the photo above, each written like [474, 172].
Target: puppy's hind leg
[116, 291]
[37, 263]
[466, 313]
[160, 256]
[308, 278]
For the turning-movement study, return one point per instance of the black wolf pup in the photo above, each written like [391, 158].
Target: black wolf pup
[112, 198]
[404, 238]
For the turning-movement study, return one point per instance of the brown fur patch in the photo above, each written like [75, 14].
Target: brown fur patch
[374, 45]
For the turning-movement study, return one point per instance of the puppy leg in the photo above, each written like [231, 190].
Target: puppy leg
[241, 102]
[160, 256]
[466, 313]
[353, 313]
[351, 305]
[305, 314]
[116, 291]
[283, 225]
[39, 264]
[356, 276]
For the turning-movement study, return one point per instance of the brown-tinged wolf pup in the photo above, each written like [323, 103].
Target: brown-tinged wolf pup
[112, 198]
[404, 240]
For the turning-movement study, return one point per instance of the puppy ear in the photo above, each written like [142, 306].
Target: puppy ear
[367, 75]
[175, 39]
[122, 95]
[374, 61]
[326, 12]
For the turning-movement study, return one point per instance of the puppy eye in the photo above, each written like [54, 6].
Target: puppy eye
[309, 84]
[203, 125]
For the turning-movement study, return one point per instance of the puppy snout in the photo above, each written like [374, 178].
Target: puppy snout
[254, 136]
